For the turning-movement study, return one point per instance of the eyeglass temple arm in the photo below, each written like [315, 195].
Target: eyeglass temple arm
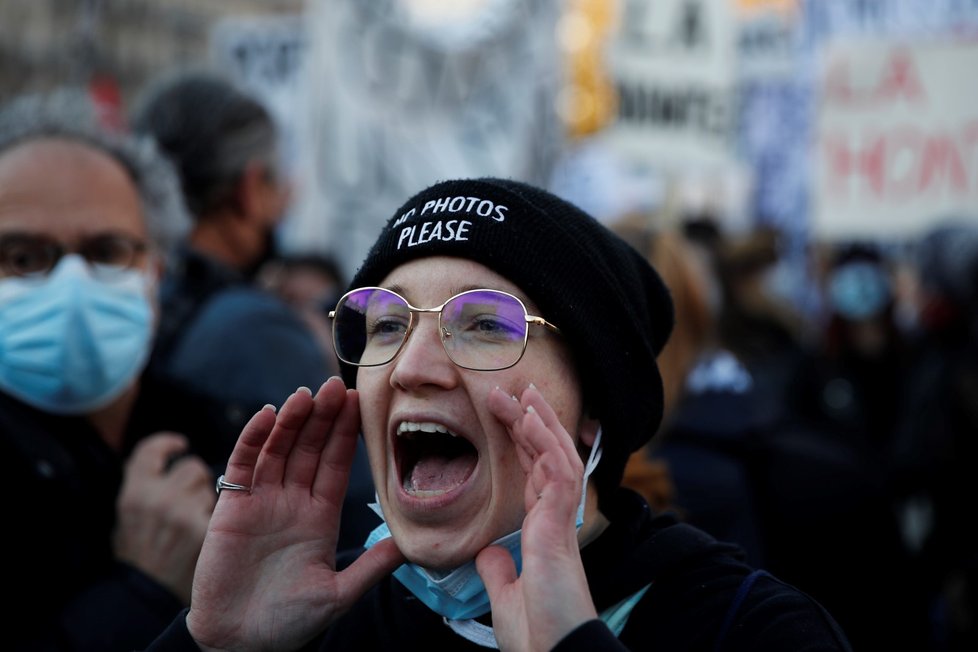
[540, 321]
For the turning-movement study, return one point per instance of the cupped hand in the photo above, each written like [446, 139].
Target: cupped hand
[266, 578]
[550, 598]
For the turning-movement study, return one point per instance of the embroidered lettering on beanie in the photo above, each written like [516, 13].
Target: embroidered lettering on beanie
[414, 231]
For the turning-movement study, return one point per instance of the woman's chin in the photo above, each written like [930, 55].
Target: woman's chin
[438, 557]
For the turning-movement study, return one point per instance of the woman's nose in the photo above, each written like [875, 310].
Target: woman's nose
[423, 359]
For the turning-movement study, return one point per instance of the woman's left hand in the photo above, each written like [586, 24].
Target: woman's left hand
[550, 598]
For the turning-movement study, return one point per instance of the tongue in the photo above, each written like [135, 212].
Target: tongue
[437, 473]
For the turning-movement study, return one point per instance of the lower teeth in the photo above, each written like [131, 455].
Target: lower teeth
[424, 493]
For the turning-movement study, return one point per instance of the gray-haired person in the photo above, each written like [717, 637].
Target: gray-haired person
[109, 473]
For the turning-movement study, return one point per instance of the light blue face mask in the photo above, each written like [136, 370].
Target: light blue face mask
[71, 343]
[859, 290]
[459, 594]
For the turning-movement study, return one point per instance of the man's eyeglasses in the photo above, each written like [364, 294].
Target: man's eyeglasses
[35, 255]
[484, 330]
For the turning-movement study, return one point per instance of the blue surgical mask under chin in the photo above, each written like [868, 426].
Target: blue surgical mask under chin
[71, 343]
[459, 594]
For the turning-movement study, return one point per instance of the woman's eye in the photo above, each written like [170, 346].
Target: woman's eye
[387, 326]
[493, 326]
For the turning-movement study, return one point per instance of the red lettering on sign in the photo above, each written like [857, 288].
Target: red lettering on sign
[902, 163]
[898, 81]
[942, 157]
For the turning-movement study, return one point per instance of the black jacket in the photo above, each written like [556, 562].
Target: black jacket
[66, 591]
[698, 600]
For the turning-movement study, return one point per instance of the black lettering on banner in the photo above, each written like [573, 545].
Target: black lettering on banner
[682, 109]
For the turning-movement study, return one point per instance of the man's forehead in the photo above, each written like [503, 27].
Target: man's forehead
[52, 184]
[30, 154]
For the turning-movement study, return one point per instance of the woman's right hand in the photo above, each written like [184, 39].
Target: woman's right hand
[266, 576]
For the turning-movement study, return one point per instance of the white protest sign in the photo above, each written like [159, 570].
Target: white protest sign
[896, 139]
[674, 64]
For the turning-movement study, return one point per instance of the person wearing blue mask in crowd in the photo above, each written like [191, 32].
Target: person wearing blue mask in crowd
[502, 345]
[112, 474]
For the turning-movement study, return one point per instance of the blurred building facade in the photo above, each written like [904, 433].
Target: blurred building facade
[113, 45]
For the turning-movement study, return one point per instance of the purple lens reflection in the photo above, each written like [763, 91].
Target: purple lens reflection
[369, 326]
[484, 329]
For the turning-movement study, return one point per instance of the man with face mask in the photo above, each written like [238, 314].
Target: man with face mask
[111, 471]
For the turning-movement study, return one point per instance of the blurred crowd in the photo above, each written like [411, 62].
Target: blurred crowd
[835, 445]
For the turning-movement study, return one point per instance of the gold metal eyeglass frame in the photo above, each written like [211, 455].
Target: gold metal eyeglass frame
[443, 333]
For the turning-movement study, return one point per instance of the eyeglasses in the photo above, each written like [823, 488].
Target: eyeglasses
[35, 255]
[483, 330]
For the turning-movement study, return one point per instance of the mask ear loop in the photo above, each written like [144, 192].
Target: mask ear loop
[594, 457]
[592, 463]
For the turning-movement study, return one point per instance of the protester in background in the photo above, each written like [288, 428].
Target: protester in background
[864, 355]
[221, 334]
[503, 346]
[110, 488]
[707, 443]
[757, 324]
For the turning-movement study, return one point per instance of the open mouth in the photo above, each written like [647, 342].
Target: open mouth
[431, 459]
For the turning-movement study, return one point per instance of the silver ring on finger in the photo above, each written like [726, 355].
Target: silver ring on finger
[222, 484]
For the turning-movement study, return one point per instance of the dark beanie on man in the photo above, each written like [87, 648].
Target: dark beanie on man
[612, 308]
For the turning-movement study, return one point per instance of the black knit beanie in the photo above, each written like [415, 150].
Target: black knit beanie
[612, 308]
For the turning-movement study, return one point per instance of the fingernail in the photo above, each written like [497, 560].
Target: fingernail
[304, 389]
[530, 409]
[532, 386]
[269, 406]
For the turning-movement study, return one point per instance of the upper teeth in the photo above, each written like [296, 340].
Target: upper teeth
[424, 426]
